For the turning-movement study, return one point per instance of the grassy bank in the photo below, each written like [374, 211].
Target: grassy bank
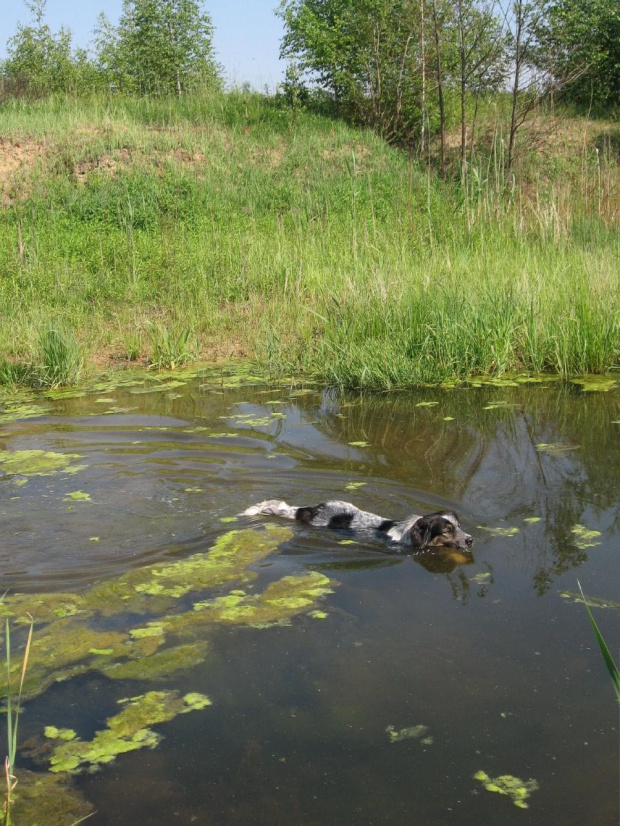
[231, 226]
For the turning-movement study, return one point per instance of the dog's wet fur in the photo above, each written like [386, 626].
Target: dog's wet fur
[419, 533]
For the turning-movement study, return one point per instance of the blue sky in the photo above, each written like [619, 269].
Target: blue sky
[247, 32]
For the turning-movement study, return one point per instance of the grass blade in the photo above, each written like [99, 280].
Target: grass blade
[609, 662]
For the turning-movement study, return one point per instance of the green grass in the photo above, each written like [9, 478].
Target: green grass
[303, 243]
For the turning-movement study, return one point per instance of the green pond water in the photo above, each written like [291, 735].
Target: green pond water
[192, 666]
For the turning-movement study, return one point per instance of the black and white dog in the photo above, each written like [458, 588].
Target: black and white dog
[421, 533]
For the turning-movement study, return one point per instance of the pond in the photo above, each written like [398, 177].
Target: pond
[193, 666]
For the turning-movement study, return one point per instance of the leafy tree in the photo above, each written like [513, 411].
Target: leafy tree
[582, 38]
[364, 52]
[158, 47]
[378, 57]
[40, 61]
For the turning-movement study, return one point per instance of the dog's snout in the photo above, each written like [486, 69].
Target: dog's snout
[469, 540]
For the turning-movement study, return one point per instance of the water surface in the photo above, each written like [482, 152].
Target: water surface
[488, 651]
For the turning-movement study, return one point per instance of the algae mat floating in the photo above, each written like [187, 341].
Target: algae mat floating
[73, 633]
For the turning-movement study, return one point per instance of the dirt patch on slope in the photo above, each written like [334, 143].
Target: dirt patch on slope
[16, 157]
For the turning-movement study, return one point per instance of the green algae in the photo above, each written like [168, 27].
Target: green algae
[53, 733]
[355, 485]
[14, 412]
[500, 531]
[68, 643]
[531, 520]
[518, 790]
[37, 462]
[158, 666]
[78, 496]
[595, 384]
[409, 733]
[160, 388]
[45, 799]
[276, 605]
[593, 602]
[584, 538]
[63, 648]
[555, 448]
[129, 730]
[481, 578]
[359, 444]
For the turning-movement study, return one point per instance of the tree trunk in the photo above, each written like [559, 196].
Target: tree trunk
[442, 111]
[518, 12]
[463, 85]
[423, 67]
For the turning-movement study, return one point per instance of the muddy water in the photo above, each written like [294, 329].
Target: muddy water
[380, 702]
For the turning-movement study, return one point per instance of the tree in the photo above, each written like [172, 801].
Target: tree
[158, 47]
[40, 61]
[584, 38]
[373, 57]
[365, 53]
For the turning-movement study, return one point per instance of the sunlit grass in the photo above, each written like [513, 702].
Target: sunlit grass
[304, 243]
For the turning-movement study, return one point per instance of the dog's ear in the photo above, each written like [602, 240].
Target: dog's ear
[421, 533]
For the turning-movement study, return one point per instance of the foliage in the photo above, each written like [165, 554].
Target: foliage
[61, 359]
[583, 37]
[158, 47]
[375, 57]
[13, 710]
[40, 61]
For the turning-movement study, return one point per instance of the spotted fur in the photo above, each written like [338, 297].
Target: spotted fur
[434, 530]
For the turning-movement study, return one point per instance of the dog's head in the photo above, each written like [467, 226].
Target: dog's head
[439, 530]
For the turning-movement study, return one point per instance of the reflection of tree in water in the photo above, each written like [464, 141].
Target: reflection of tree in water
[489, 459]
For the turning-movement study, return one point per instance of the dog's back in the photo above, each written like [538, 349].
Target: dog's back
[441, 529]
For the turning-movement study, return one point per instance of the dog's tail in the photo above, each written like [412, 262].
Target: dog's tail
[273, 507]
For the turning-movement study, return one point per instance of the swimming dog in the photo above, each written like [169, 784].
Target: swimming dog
[421, 533]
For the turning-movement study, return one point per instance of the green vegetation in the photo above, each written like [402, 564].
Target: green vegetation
[311, 246]
[518, 790]
[13, 710]
[127, 731]
[609, 660]
[69, 642]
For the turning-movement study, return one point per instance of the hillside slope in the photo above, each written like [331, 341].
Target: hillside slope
[232, 226]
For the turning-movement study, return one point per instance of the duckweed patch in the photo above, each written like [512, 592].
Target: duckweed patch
[127, 731]
[515, 788]
[37, 462]
[584, 538]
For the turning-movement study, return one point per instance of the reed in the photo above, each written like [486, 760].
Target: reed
[13, 710]
[609, 660]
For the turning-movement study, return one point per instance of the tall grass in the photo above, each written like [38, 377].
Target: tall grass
[304, 243]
